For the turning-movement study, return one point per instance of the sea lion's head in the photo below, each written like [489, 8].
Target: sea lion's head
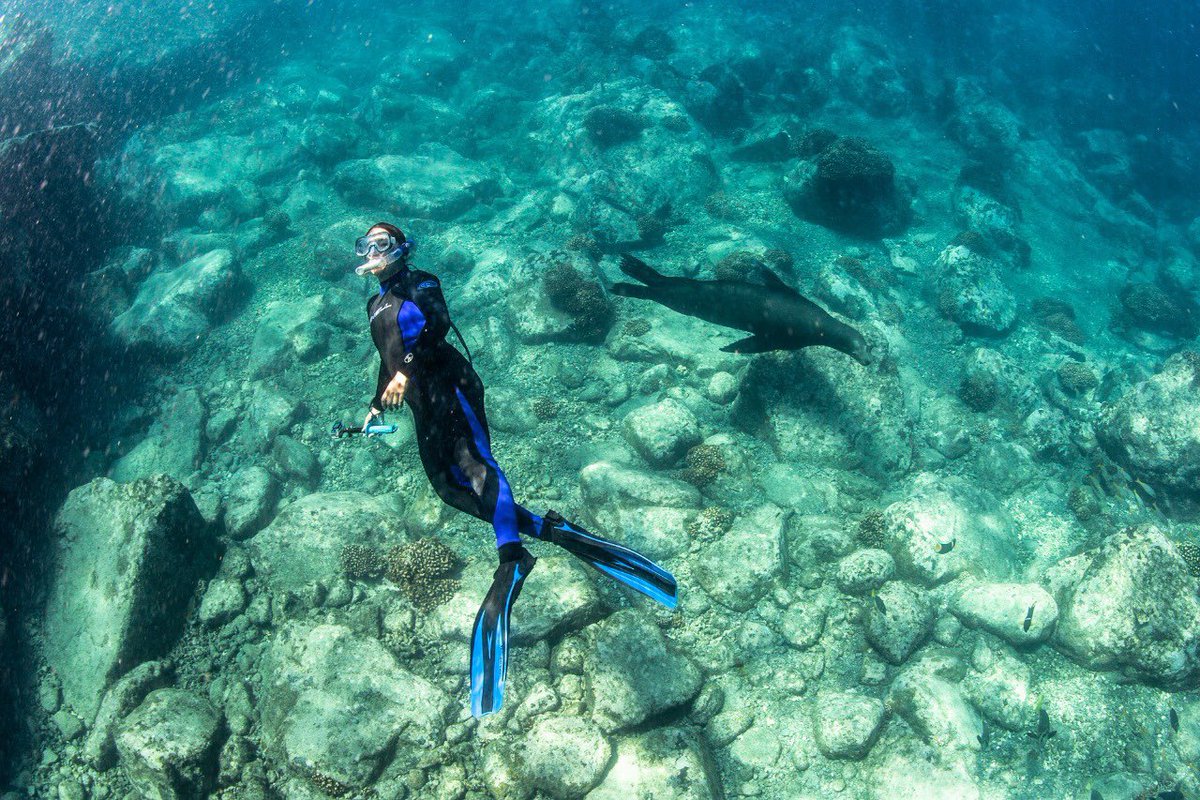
[860, 349]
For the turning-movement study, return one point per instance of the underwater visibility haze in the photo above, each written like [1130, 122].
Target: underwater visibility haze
[594, 401]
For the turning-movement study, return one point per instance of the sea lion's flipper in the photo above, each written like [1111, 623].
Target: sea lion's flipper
[775, 282]
[751, 344]
[632, 290]
[640, 270]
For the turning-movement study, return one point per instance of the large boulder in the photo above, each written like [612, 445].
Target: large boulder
[971, 294]
[651, 511]
[433, 183]
[937, 710]
[563, 756]
[755, 545]
[850, 187]
[168, 746]
[898, 622]
[632, 672]
[664, 763]
[1133, 607]
[128, 559]
[1021, 613]
[173, 444]
[304, 543]
[662, 432]
[303, 330]
[1154, 431]
[846, 724]
[339, 705]
[949, 511]
[175, 308]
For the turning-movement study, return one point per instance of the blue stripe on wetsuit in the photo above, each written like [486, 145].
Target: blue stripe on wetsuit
[504, 518]
[411, 322]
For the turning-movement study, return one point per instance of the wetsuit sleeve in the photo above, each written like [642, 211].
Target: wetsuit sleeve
[425, 324]
[380, 384]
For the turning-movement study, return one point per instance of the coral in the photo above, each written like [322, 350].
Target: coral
[1082, 502]
[362, 561]
[710, 523]
[544, 408]
[740, 265]
[1076, 377]
[779, 260]
[704, 463]
[329, 786]
[608, 126]
[585, 244]
[584, 300]
[1190, 552]
[653, 42]
[1148, 306]
[720, 205]
[1059, 317]
[277, 220]
[871, 529]
[419, 569]
[852, 189]
[639, 326]
[978, 390]
[677, 123]
[813, 142]
[653, 227]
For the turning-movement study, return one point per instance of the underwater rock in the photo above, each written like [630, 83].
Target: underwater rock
[1020, 613]
[304, 543]
[1134, 608]
[331, 138]
[268, 414]
[608, 126]
[223, 600]
[129, 556]
[662, 432]
[757, 538]
[294, 460]
[850, 187]
[986, 129]
[1153, 431]
[305, 330]
[338, 704]
[971, 293]
[846, 724]
[175, 308]
[864, 70]
[564, 756]
[99, 749]
[999, 685]
[990, 228]
[665, 763]
[900, 623]
[864, 570]
[907, 774]
[168, 745]
[937, 710]
[173, 445]
[633, 674]
[939, 511]
[433, 183]
[1153, 308]
[716, 99]
[567, 600]
[253, 492]
[651, 511]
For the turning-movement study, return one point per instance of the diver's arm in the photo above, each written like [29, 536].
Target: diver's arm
[381, 383]
[427, 296]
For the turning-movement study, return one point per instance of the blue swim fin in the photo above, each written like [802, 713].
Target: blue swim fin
[615, 560]
[489, 639]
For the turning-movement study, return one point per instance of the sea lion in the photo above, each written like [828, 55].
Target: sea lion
[776, 315]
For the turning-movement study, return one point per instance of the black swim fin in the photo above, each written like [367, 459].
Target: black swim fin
[640, 270]
[489, 639]
[615, 560]
[632, 290]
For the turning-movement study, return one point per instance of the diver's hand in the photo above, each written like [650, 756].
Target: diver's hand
[393, 395]
[372, 415]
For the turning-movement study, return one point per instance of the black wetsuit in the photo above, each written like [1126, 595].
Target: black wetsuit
[409, 322]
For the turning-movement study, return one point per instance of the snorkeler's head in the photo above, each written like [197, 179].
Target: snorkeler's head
[385, 248]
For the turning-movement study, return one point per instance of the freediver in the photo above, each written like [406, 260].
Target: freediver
[409, 321]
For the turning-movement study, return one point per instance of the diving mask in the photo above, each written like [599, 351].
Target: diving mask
[380, 249]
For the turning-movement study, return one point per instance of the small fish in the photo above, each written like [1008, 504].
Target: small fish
[1043, 731]
[1096, 795]
[1173, 716]
[945, 547]
[1142, 488]
[1028, 619]
[1169, 794]
[985, 735]
[877, 601]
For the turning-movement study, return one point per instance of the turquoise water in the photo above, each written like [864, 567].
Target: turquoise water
[954, 558]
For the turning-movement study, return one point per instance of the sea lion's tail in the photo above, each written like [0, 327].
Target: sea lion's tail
[640, 270]
[632, 290]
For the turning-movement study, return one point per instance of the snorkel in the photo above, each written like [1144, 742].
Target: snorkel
[384, 246]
